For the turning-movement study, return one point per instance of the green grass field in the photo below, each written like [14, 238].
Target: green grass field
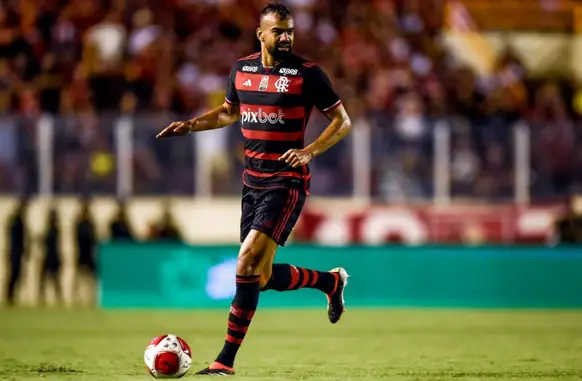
[301, 345]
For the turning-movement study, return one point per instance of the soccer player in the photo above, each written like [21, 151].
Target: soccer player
[272, 93]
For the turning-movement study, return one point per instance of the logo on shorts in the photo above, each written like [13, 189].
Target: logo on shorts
[261, 116]
[264, 83]
[282, 84]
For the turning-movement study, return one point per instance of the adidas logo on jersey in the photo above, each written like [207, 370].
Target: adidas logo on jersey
[247, 83]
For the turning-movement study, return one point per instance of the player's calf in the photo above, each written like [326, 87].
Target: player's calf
[254, 252]
[286, 277]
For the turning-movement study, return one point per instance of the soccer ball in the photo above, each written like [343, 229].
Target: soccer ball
[167, 356]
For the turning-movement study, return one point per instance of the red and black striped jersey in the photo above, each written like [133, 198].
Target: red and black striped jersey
[275, 105]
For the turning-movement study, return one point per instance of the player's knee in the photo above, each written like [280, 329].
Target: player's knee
[249, 261]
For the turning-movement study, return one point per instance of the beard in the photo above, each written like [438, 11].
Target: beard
[279, 54]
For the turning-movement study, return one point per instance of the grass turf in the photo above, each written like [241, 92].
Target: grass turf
[300, 345]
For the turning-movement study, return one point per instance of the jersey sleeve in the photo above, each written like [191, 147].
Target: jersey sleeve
[320, 91]
[231, 95]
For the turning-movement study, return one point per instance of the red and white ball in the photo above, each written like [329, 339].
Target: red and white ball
[168, 356]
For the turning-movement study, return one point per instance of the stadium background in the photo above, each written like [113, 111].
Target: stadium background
[466, 123]
[464, 156]
[458, 187]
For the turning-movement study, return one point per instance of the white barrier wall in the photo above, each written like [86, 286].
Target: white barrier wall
[201, 221]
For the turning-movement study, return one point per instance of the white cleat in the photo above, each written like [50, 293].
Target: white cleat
[335, 300]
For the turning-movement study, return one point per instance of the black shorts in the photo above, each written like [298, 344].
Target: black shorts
[271, 211]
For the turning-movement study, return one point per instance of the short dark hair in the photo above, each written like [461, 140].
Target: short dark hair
[282, 12]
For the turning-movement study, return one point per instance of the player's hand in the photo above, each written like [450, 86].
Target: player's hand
[296, 157]
[177, 129]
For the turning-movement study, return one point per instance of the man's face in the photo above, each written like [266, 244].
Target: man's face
[277, 35]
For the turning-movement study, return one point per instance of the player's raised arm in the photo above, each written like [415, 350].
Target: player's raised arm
[224, 115]
[221, 116]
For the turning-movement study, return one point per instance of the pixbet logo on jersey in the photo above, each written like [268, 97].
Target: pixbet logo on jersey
[261, 116]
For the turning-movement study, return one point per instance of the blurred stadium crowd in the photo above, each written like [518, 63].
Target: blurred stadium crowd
[88, 62]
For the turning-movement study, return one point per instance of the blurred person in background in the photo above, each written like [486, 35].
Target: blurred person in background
[568, 226]
[103, 54]
[166, 228]
[120, 227]
[50, 84]
[86, 247]
[18, 247]
[51, 265]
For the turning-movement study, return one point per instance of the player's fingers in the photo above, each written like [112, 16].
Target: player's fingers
[292, 158]
[166, 131]
[285, 156]
[296, 162]
[181, 127]
[289, 157]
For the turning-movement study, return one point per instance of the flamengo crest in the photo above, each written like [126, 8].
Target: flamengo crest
[282, 84]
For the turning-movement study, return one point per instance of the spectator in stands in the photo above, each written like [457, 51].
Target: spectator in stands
[87, 62]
